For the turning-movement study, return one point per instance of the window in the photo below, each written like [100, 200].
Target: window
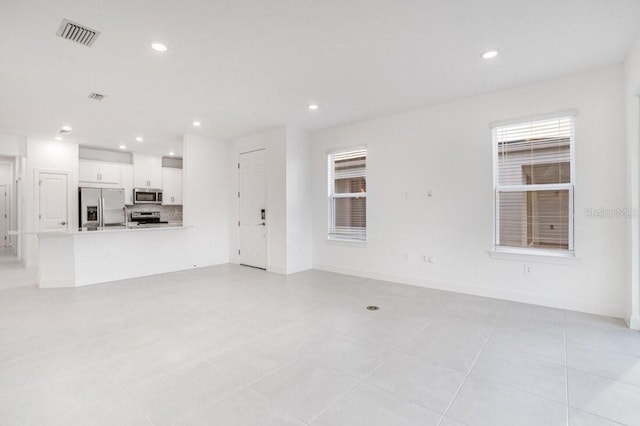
[534, 184]
[348, 195]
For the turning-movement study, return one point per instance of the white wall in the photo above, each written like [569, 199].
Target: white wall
[47, 155]
[12, 145]
[448, 149]
[299, 211]
[274, 143]
[632, 100]
[206, 183]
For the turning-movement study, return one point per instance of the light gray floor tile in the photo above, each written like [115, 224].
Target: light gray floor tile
[605, 335]
[176, 396]
[451, 343]
[113, 411]
[180, 342]
[606, 398]
[355, 357]
[612, 365]
[450, 422]
[483, 402]
[252, 361]
[246, 408]
[150, 362]
[50, 399]
[305, 388]
[523, 372]
[417, 380]
[369, 406]
[534, 343]
[525, 317]
[580, 418]
[388, 329]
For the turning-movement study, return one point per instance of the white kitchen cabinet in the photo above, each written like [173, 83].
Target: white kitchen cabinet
[171, 186]
[147, 171]
[97, 173]
[127, 183]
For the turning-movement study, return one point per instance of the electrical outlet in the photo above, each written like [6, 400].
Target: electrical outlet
[528, 269]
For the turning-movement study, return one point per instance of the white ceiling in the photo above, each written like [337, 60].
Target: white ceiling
[241, 66]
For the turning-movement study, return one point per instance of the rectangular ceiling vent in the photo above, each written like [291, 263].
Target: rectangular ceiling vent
[96, 96]
[78, 33]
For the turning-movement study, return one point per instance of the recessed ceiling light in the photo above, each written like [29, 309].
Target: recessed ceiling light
[490, 54]
[159, 47]
[172, 153]
[122, 147]
[58, 138]
[139, 138]
[196, 124]
[313, 107]
[66, 128]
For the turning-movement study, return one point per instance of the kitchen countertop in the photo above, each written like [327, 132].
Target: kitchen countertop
[130, 227]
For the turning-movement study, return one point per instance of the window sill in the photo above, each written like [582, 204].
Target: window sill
[534, 255]
[352, 243]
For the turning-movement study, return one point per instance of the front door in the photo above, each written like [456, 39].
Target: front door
[53, 201]
[253, 213]
[4, 224]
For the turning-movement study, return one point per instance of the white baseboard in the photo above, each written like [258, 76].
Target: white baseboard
[634, 323]
[298, 268]
[277, 270]
[617, 311]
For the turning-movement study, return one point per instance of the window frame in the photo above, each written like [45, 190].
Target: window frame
[570, 187]
[332, 195]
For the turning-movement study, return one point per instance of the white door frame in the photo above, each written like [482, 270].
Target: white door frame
[36, 194]
[6, 242]
[266, 165]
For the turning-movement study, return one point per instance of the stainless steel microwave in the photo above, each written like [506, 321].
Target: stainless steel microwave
[147, 196]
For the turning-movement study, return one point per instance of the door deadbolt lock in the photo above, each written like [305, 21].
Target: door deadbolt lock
[263, 214]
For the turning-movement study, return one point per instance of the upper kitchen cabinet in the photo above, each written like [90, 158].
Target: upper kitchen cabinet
[171, 186]
[127, 183]
[147, 170]
[97, 173]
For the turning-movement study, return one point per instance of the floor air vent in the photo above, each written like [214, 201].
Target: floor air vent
[78, 33]
[96, 96]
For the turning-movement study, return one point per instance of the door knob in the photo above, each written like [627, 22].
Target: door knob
[63, 223]
[262, 224]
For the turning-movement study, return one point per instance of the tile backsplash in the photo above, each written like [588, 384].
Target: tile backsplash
[167, 213]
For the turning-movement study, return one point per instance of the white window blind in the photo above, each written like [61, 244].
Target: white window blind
[348, 195]
[534, 184]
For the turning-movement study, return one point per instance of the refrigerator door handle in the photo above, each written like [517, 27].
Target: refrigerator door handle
[100, 212]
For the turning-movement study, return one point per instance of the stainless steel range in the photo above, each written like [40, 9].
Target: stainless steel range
[142, 218]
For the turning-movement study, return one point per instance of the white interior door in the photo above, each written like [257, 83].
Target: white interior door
[4, 217]
[253, 204]
[53, 199]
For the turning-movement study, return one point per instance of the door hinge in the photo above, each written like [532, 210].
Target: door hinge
[39, 183]
[238, 251]
[238, 165]
[40, 217]
[238, 194]
[238, 223]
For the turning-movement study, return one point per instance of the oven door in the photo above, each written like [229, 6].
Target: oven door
[147, 196]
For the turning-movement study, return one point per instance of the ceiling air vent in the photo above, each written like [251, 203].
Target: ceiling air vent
[96, 96]
[78, 33]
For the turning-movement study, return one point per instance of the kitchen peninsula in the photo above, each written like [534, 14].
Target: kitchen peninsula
[83, 257]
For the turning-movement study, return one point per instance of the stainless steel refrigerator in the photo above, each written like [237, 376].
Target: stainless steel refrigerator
[101, 207]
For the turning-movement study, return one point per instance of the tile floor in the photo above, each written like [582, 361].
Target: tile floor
[230, 345]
